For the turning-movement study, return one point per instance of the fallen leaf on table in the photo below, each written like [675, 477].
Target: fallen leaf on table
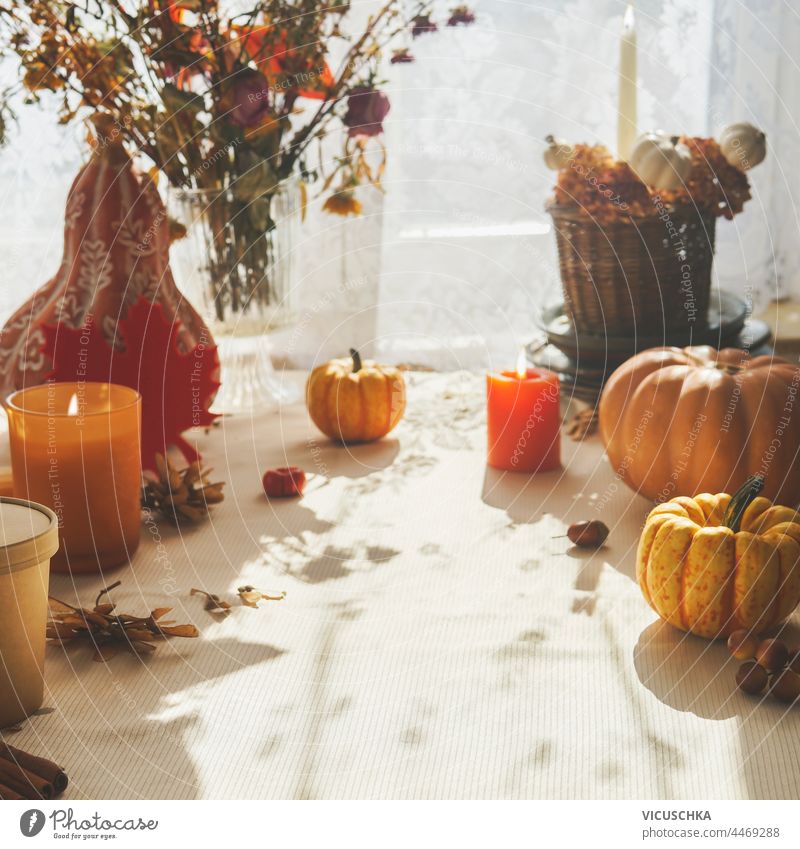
[250, 596]
[582, 424]
[108, 632]
[214, 604]
[181, 496]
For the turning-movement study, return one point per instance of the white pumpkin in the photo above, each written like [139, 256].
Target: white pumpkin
[743, 145]
[661, 161]
[558, 153]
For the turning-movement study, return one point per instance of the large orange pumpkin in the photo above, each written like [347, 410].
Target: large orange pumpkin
[679, 421]
[116, 244]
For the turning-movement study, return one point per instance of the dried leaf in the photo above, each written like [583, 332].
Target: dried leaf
[181, 496]
[108, 633]
[213, 601]
[180, 631]
[59, 631]
[139, 634]
[250, 596]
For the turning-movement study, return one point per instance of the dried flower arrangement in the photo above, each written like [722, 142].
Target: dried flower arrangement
[230, 100]
[608, 189]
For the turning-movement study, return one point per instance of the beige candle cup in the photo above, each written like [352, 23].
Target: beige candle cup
[28, 539]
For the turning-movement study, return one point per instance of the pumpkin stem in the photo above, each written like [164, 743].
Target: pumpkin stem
[740, 501]
[356, 360]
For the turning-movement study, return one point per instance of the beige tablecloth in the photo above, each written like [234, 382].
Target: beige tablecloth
[438, 639]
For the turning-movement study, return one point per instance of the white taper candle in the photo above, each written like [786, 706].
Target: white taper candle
[626, 118]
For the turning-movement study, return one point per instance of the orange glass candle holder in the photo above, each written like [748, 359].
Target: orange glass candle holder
[76, 448]
[523, 420]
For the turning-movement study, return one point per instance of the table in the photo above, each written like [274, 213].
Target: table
[438, 638]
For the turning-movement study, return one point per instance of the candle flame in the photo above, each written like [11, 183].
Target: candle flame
[72, 407]
[628, 19]
[522, 365]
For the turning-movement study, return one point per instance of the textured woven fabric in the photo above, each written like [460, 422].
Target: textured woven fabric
[438, 640]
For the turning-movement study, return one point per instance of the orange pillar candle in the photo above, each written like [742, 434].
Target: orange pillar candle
[523, 419]
[75, 447]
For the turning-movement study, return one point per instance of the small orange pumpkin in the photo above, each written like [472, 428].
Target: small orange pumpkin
[713, 564]
[354, 401]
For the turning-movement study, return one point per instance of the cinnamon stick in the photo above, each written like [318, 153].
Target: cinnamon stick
[48, 770]
[27, 784]
[7, 794]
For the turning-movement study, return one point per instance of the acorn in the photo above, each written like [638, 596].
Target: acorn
[785, 686]
[751, 678]
[587, 534]
[772, 654]
[742, 644]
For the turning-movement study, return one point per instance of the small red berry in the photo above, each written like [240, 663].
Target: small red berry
[286, 482]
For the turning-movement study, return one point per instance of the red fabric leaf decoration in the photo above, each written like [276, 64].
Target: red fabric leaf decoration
[177, 387]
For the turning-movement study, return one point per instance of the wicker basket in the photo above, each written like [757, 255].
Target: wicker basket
[647, 275]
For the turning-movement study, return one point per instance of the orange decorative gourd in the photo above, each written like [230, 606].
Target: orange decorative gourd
[678, 421]
[354, 401]
[713, 564]
[116, 244]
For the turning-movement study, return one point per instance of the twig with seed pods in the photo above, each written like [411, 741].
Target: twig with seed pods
[109, 632]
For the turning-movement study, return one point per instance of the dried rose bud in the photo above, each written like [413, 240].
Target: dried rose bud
[286, 482]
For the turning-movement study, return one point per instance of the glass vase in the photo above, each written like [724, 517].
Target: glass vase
[235, 266]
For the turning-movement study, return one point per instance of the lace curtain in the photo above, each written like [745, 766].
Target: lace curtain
[451, 266]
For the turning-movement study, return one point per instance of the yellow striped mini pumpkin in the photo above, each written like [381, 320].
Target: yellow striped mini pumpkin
[715, 563]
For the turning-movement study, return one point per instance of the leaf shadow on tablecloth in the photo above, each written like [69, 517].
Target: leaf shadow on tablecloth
[331, 459]
[529, 500]
[692, 675]
[130, 705]
[332, 563]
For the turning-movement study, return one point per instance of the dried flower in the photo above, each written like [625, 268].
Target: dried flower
[181, 496]
[608, 189]
[248, 101]
[401, 57]
[343, 203]
[461, 15]
[366, 109]
[422, 24]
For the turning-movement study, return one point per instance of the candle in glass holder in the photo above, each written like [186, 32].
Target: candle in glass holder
[75, 447]
[523, 419]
